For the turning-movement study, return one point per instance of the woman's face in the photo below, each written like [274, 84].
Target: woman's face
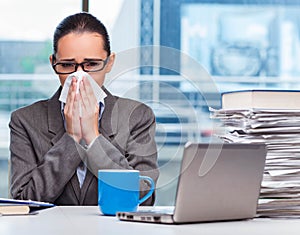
[80, 47]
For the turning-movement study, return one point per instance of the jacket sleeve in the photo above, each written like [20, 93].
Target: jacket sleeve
[39, 171]
[133, 147]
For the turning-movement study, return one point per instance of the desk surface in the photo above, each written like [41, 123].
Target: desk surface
[89, 221]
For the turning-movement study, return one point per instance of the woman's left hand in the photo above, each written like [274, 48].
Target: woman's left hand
[89, 112]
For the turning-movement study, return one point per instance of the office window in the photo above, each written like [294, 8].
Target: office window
[242, 44]
[242, 40]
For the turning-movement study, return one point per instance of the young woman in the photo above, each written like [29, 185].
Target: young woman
[56, 150]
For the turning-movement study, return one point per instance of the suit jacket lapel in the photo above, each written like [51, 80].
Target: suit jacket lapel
[75, 186]
[109, 121]
[55, 120]
[86, 185]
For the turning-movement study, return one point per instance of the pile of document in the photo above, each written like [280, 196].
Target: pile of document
[280, 131]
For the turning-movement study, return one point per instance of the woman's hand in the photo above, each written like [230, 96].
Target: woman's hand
[90, 111]
[71, 112]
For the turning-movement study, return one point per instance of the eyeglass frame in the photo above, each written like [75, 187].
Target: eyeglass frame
[79, 64]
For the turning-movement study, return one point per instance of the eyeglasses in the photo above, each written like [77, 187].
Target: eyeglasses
[94, 65]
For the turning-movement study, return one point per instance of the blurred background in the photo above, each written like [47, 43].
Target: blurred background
[183, 53]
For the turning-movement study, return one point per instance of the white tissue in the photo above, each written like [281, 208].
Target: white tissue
[98, 92]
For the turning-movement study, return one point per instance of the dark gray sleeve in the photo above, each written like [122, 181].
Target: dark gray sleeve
[134, 147]
[39, 176]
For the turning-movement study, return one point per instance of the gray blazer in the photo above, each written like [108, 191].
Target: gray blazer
[44, 158]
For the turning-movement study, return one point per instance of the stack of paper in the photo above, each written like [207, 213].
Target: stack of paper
[280, 131]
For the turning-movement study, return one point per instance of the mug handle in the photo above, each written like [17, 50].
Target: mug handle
[150, 180]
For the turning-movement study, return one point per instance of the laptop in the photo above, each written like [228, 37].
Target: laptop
[217, 182]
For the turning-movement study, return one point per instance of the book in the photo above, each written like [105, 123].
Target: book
[261, 99]
[13, 209]
[21, 207]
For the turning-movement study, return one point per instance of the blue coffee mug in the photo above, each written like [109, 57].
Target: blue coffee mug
[119, 190]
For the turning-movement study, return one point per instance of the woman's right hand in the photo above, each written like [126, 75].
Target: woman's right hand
[71, 112]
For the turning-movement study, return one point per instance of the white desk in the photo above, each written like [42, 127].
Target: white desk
[88, 221]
